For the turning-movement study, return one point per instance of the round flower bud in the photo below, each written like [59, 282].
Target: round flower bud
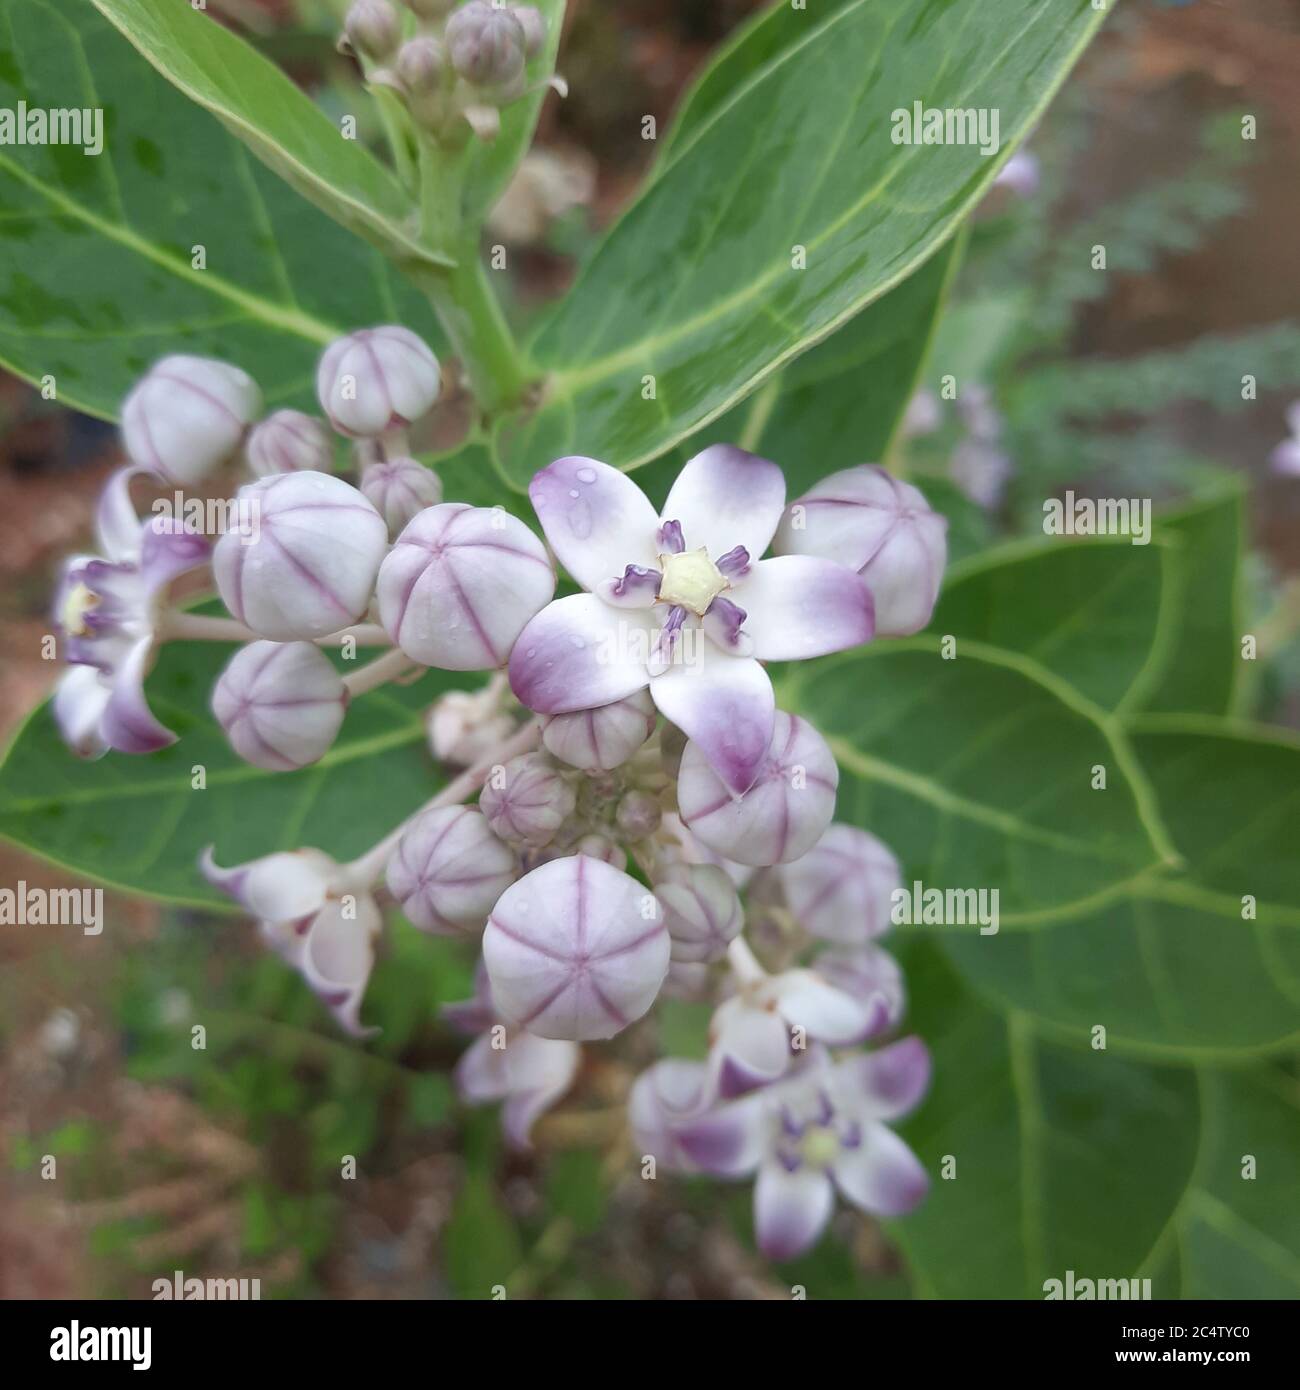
[597, 740]
[280, 703]
[420, 64]
[487, 45]
[464, 725]
[841, 890]
[373, 28]
[603, 848]
[399, 490]
[533, 23]
[449, 869]
[527, 800]
[286, 442]
[576, 949]
[187, 416]
[701, 911]
[377, 379]
[781, 816]
[638, 815]
[883, 528]
[310, 567]
[459, 585]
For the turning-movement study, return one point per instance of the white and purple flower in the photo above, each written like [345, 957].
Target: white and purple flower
[106, 611]
[657, 583]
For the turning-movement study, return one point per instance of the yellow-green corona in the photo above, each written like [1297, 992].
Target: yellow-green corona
[691, 580]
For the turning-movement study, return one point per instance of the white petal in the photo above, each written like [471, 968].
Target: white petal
[799, 606]
[725, 497]
[790, 1209]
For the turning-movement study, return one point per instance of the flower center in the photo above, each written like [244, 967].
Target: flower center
[691, 581]
[79, 601]
[820, 1146]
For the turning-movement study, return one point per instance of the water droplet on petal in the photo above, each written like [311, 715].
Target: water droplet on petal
[586, 475]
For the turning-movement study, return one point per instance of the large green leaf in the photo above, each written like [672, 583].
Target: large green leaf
[97, 279]
[696, 285]
[139, 824]
[1204, 660]
[1087, 610]
[274, 118]
[1065, 1158]
[978, 772]
[1172, 967]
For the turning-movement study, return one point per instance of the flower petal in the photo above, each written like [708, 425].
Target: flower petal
[892, 1080]
[881, 1175]
[338, 956]
[596, 519]
[751, 1048]
[79, 704]
[480, 1075]
[578, 653]
[825, 1013]
[790, 1209]
[128, 724]
[116, 524]
[725, 497]
[538, 1072]
[728, 1141]
[283, 887]
[725, 705]
[800, 606]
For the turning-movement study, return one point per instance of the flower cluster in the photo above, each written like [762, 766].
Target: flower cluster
[457, 68]
[634, 817]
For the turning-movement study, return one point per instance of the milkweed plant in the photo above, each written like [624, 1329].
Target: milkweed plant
[704, 739]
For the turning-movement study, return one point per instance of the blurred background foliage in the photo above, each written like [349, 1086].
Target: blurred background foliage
[225, 1160]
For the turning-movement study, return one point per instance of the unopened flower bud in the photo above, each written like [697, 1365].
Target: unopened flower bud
[459, 585]
[870, 521]
[280, 703]
[286, 442]
[430, 9]
[688, 980]
[449, 869]
[781, 816]
[841, 890]
[701, 911]
[420, 64]
[533, 23]
[312, 567]
[187, 416]
[597, 740]
[377, 379]
[638, 815]
[603, 848]
[399, 489]
[487, 45]
[576, 949]
[373, 29]
[527, 800]
[463, 725]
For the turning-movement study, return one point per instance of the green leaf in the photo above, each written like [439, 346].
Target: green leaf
[695, 285]
[1089, 611]
[97, 280]
[1201, 673]
[482, 1246]
[1065, 1158]
[1171, 967]
[139, 824]
[282, 126]
[978, 773]
[492, 165]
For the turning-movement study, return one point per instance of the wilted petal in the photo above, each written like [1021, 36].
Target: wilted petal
[339, 954]
[725, 497]
[128, 724]
[890, 1082]
[282, 887]
[579, 652]
[881, 1175]
[597, 520]
[799, 606]
[791, 1209]
[725, 705]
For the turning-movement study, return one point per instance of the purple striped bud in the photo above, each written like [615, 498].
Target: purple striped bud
[701, 911]
[885, 529]
[311, 569]
[399, 490]
[603, 848]
[781, 816]
[420, 65]
[449, 869]
[373, 28]
[280, 703]
[377, 379]
[533, 23]
[576, 949]
[289, 441]
[527, 800]
[600, 739]
[187, 416]
[638, 815]
[841, 889]
[460, 584]
[487, 45]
